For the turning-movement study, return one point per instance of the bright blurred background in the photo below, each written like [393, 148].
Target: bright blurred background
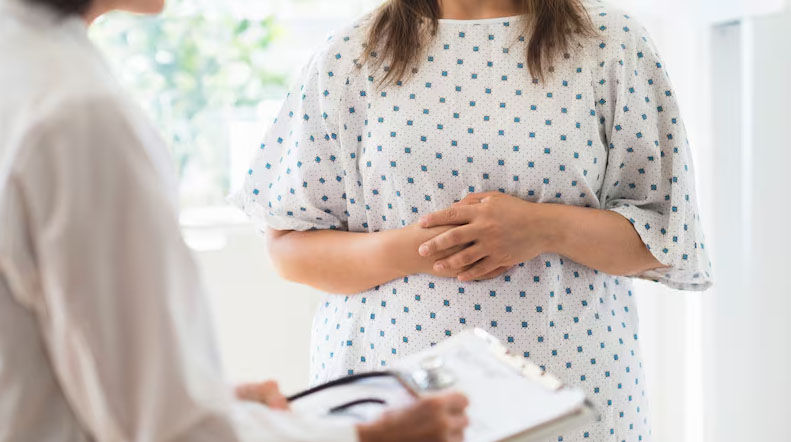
[212, 75]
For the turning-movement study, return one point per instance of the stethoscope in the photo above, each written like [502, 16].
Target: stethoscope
[432, 375]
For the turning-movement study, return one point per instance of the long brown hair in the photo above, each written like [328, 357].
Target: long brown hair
[397, 33]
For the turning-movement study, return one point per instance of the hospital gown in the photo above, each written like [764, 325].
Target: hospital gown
[604, 131]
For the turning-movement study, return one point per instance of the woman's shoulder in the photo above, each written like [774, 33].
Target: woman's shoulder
[612, 23]
[618, 32]
[342, 49]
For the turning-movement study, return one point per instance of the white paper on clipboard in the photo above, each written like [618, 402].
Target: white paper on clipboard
[510, 398]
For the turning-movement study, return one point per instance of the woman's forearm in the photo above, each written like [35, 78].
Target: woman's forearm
[600, 239]
[347, 262]
[334, 261]
[343, 262]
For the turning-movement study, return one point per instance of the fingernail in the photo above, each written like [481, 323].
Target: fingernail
[423, 250]
[439, 266]
[423, 222]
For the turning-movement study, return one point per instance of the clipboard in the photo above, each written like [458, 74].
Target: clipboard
[511, 399]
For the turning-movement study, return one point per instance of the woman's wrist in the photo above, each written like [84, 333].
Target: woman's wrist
[552, 223]
[392, 251]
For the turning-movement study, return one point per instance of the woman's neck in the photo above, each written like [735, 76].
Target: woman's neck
[477, 9]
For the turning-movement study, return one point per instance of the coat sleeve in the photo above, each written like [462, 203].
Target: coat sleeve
[297, 180]
[649, 176]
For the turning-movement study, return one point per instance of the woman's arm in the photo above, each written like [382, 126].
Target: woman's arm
[506, 230]
[601, 239]
[343, 262]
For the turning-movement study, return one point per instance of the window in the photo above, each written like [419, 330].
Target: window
[211, 75]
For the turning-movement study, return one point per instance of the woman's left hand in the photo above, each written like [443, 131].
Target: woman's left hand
[501, 230]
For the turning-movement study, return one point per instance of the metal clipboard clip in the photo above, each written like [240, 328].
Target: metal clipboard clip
[521, 365]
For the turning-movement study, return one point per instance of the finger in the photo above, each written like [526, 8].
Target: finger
[451, 216]
[267, 393]
[462, 259]
[487, 265]
[474, 198]
[456, 426]
[457, 435]
[456, 423]
[256, 391]
[464, 202]
[247, 392]
[277, 401]
[444, 241]
[462, 423]
[455, 403]
[494, 274]
[478, 196]
[469, 199]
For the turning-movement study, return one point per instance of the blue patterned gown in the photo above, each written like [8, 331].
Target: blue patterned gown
[603, 131]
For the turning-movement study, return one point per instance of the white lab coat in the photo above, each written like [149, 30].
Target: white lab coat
[104, 329]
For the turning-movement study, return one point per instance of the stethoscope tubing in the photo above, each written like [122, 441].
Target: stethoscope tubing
[343, 381]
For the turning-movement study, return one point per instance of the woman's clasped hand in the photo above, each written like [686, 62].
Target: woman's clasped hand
[484, 235]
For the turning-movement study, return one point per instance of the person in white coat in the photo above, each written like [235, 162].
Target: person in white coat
[104, 329]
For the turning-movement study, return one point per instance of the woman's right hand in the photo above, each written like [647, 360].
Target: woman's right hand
[434, 419]
[403, 250]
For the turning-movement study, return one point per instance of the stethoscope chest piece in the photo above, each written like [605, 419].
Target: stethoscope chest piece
[433, 375]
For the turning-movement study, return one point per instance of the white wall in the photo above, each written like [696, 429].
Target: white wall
[748, 335]
[263, 322]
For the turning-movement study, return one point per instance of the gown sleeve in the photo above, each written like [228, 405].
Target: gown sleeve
[649, 176]
[297, 178]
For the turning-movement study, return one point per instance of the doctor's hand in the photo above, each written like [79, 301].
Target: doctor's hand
[435, 419]
[500, 230]
[266, 393]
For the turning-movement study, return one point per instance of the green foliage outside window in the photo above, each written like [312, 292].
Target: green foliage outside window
[193, 73]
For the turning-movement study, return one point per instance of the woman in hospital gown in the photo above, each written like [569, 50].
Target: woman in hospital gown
[603, 131]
